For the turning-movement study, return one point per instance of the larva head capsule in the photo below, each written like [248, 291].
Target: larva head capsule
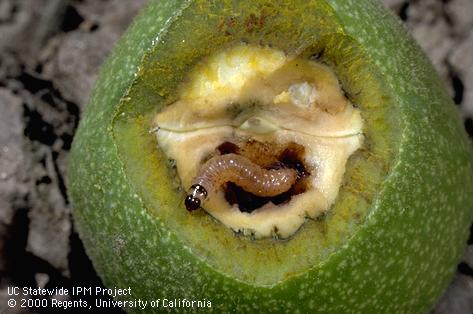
[197, 195]
[192, 203]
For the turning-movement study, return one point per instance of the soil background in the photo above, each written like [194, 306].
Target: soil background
[50, 53]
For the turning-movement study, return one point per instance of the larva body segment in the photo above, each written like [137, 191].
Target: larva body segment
[241, 171]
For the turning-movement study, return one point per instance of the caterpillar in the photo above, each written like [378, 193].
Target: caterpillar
[241, 171]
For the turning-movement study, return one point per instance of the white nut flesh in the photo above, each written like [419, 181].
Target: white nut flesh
[249, 92]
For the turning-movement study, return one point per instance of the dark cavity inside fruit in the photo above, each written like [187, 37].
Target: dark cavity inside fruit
[268, 156]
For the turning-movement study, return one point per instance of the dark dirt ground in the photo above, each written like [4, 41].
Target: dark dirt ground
[50, 53]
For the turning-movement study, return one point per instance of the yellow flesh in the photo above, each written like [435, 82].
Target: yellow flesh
[249, 92]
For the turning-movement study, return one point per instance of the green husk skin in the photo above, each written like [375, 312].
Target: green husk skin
[399, 259]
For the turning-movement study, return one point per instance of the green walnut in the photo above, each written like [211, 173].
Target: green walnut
[277, 156]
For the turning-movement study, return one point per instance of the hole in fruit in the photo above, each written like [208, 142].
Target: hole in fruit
[266, 135]
[227, 148]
